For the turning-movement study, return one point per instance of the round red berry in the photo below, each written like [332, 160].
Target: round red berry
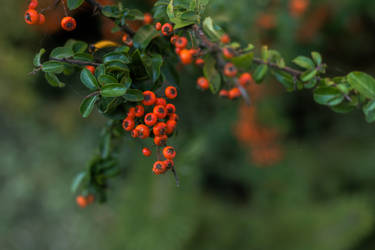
[160, 129]
[146, 152]
[167, 29]
[230, 70]
[143, 131]
[150, 119]
[181, 42]
[31, 16]
[159, 167]
[169, 153]
[68, 23]
[128, 124]
[171, 92]
[203, 83]
[149, 98]
[139, 111]
[245, 78]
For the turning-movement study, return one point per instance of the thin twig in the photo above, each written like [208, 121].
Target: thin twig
[77, 62]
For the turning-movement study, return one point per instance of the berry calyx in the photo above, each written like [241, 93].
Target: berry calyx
[203, 83]
[128, 124]
[230, 70]
[169, 164]
[146, 152]
[167, 29]
[159, 167]
[150, 119]
[143, 131]
[181, 42]
[160, 112]
[171, 92]
[68, 23]
[149, 98]
[169, 153]
[31, 16]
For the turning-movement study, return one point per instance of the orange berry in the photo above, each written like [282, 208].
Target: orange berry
[131, 113]
[68, 23]
[173, 117]
[31, 16]
[146, 152]
[147, 18]
[33, 4]
[159, 167]
[228, 53]
[81, 201]
[160, 112]
[234, 93]
[134, 133]
[170, 108]
[174, 39]
[199, 61]
[178, 51]
[186, 56]
[169, 164]
[160, 140]
[127, 40]
[143, 131]
[203, 83]
[90, 68]
[158, 26]
[230, 70]
[171, 92]
[161, 101]
[245, 78]
[160, 129]
[223, 93]
[150, 119]
[167, 29]
[171, 126]
[225, 38]
[169, 153]
[194, 52]
[42, 18]
[139, 111]
[181, 42]
[128, 124]
[149, 98]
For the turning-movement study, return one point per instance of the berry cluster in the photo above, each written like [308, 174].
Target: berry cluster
[32, 16]
[154, 118]
[84, 201]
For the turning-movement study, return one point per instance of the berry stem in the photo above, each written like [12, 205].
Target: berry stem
[53, 6]
[176, 177]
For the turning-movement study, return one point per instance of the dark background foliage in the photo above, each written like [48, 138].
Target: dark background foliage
[319, 196]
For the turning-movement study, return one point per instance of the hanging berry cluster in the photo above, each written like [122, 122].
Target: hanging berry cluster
[32, 16]
[157, 119]
[122, 80]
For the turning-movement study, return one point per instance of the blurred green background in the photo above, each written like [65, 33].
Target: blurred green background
[320, 195]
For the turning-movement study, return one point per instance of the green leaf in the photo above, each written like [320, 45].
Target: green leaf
[74, 4]
[213, 31]
[133, 95]
[144, 36]
[317, 58]
[133, 14]
[260, 73]
[89, 79]
[116, 57]
[84, 57]
[212, 75]
[243, 61]
[363, 83]
[308, 75]
[53, 80]
[176, 13]
[304, 62]
[87, 106]
[105, 145]
[111, 11]
[116, 66]
[113, 90]
[369, 111]
[152, 65]
[343, 108]
[107, 79]
[38, 57]
[328, 96]
[53, 67]
[61, 52]
[100, 70]
[285, 79]
[78, 181]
